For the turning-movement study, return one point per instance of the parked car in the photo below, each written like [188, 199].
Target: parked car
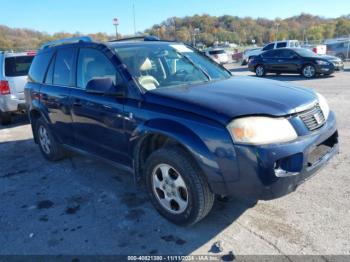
[177, 121]
[249, 53]
[218, 55]
[13, 76]
[339, 49]
[294, 60]
[273, 45]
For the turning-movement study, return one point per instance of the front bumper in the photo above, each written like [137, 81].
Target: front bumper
[260, 175]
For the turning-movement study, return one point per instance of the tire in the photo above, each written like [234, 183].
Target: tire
[176, 186]
[341, 56]
[260, 71]
[5, 118]
[308, 71]
[244, 62]
[48, 145]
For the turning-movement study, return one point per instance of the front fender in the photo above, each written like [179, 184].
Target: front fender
[184, 135]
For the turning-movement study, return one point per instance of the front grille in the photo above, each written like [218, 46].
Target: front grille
[313, 118]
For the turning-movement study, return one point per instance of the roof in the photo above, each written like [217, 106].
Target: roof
[87, 39]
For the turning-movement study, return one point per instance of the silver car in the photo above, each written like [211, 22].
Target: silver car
[13, 77]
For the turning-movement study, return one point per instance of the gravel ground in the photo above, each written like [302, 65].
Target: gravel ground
[82, 206]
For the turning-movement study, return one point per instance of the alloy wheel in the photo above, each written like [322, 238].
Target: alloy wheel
[169, 188]
[259, 71]
[309, 71]
[44, 140]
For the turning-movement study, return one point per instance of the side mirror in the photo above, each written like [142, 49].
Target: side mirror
[104, 86]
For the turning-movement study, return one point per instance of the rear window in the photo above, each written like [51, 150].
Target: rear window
[38, 68]
[216, 52]
[282, 45]
[17, 65]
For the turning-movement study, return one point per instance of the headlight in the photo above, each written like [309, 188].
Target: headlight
[321, 62]
[261, 130]
[323, 104]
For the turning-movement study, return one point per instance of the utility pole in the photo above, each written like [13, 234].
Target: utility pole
[277, 25]
[116, 23]
[174, 22]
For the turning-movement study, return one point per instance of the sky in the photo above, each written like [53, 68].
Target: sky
[91, 16]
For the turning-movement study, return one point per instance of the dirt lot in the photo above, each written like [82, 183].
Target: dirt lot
[81, 206]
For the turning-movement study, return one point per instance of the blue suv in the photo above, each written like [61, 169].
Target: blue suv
[177, 121]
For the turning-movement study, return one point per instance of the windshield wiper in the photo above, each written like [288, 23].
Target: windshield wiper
[196, 66]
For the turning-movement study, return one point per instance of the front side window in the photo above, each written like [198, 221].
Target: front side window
[162, 65]
[64, 67]
[92, 64]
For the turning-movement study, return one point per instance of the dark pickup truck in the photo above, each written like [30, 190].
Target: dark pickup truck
[178, 121]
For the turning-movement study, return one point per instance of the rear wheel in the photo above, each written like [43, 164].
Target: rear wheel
[48, 145]
[176, 187]
[5, 118]
[309, 71]
[260, 71]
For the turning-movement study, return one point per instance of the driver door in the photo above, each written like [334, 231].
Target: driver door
[98, 122]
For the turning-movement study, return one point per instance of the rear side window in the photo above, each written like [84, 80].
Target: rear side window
[270, 54]
[287, 53]
[17, 65]
[38, 68]
[282, 44]
[93, 64]
[217, 52]
[64, 67]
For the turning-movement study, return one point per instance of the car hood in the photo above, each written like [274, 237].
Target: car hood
[330, 58]
[238, 96]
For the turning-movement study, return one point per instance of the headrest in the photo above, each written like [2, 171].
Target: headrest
[146, 65]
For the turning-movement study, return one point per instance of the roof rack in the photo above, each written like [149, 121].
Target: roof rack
[137, 38]
[67, 41]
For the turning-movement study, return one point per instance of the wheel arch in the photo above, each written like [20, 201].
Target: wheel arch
[162, 132]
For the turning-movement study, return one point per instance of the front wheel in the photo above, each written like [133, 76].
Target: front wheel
[309, 71]
[260, 71]
[176, 186]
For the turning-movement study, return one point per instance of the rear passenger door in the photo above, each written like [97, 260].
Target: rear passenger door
[98, 120]
[55, 91]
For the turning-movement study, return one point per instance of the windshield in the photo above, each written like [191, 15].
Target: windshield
[168, 64]
[305, 52]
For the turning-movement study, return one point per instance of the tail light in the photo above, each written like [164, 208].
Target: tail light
[314, 50]
[4, 88]
[31, 53]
